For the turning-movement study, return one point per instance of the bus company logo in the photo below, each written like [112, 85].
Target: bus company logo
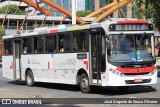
[6, 101]
[138, 70]
[71, 62]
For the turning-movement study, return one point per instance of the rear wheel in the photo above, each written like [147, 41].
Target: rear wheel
[30, 79]
[84, 84]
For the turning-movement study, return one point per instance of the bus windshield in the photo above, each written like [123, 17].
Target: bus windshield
[129, 48]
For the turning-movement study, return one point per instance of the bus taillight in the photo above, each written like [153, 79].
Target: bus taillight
[3, 54]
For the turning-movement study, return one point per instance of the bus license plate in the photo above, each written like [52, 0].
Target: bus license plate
[138, 80]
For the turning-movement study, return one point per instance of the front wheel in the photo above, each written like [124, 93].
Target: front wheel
[30, 79]
[84, 84]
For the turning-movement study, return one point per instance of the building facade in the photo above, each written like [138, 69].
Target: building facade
[15, 2]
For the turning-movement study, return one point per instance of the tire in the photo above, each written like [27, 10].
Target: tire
[30, 79]
[123, 88]
[84, 84]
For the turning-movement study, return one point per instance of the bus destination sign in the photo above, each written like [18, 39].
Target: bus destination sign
[131, 27]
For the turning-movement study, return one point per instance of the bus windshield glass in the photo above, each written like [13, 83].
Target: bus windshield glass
[129, 48]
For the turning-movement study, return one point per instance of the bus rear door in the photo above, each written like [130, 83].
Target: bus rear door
[17, 59]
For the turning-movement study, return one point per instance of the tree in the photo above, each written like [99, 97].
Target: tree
[12, 8]
[2, 33]
[149, 10]
[83, 13]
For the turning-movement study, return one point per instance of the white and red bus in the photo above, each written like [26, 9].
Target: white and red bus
[111, 53]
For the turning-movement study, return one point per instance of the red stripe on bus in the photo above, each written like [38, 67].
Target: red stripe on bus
[11, 65]
[3, 54]
[53, 31]
[132, 22]
[86, 63]
[136, 70]
[48, 65]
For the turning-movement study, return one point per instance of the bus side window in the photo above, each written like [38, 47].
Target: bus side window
[67, 42]
[41, 42]
[51, 43]
[75, 42]
[79, 41]
[35, 44]
[27, 45]
[8, 47]
[61, 43]
[82, 46]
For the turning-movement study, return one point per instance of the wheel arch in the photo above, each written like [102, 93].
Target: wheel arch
[79, 73]
[27, 71]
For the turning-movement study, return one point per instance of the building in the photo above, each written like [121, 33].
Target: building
[13, 22]
[16, 2]
[32, 11]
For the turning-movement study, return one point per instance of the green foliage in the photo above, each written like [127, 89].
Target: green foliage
[148, 10]
[12, 8]
[2, 32]
[83, 13]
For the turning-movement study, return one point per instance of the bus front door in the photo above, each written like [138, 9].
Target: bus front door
[95, 58]
[17, 59]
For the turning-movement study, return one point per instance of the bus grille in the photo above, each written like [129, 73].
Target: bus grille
[143, 81]
[145, 73]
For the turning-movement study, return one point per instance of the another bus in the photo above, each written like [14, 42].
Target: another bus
[115, 52]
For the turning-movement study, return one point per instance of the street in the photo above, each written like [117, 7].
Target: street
[17, 89]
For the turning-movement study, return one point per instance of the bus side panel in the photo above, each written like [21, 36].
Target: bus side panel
[67, 66]
[41, 65]
[8, 67]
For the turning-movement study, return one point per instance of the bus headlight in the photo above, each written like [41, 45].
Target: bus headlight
[153, 72]
[116, 72]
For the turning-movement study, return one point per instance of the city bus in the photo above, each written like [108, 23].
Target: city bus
[115, 52]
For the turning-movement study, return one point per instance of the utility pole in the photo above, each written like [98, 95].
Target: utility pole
[73, 11]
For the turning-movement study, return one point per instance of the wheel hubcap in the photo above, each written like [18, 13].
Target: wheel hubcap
[29, 79]
[84, 83]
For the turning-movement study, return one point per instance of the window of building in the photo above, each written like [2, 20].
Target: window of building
[27, 45]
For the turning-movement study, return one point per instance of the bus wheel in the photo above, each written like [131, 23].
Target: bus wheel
[30, 79]
[123, 88]
[84, 84]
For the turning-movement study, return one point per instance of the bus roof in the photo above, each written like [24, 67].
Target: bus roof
[54, 29]
[63, 28]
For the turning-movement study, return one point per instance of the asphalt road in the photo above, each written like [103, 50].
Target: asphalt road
[16, 89]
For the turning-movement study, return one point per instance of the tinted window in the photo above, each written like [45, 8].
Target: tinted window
[39, 44]
[75, 41]
[8, 47]
[64, 43]
[51, 43]
[27, 45]
[82, 41]
[67, 43]
[79, 41]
